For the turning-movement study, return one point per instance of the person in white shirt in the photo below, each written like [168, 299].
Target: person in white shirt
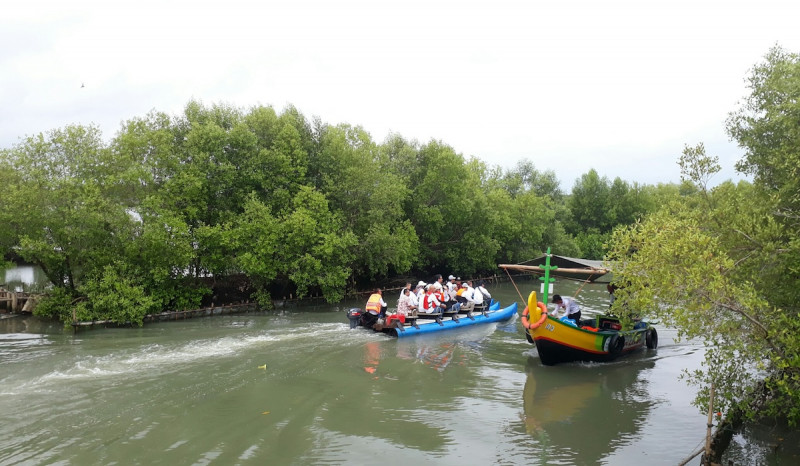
[403, 304]
[570, 306]
[451, 283]
[465, 296]
[480, 295]
[403, 289]
[420, 291]
[413, 302]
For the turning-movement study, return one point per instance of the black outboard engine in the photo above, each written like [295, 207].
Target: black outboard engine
[354, 315]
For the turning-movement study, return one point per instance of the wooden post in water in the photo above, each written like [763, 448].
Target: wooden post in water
[707, 459]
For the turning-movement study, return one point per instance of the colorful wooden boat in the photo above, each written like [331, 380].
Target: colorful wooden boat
[493, 314]
[560, 340]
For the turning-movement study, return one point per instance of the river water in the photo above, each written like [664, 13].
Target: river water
[297, 386]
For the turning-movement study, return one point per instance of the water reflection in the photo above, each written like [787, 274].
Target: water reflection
[585, 411]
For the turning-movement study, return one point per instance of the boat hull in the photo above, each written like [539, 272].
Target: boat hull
[571, 345]
[494, 314]
[559, 342]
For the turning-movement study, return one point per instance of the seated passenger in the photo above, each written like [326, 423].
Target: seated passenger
[448, 300]
[451, 283]
[375, 303]
[403, 306]
[402, 290]
[420, 290]
[431, 303]
[465, 297]
[481, 296]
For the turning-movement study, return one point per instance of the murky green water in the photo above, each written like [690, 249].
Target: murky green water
[193, 392]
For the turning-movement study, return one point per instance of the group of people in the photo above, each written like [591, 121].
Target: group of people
[435, 298]
[453, 296]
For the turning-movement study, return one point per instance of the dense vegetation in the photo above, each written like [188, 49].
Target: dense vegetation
[161, 215]
[723, 264]
[157, 217]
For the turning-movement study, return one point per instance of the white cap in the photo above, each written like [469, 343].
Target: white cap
[421, 283]
[451, 277]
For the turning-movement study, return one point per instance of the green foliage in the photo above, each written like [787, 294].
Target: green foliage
[597, 206]
[315, 252]
[115, 296]
[170, 204]
[721, 264]
[58, 303]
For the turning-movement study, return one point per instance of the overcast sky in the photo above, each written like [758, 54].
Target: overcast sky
[618, 86]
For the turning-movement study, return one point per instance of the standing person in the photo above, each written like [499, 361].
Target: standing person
[570, 306]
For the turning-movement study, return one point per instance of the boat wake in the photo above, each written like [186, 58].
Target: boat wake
[168, 357]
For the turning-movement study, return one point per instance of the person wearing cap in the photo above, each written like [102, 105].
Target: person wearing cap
[451, 283]
[465, 296]
[570, 306]
[430, 302]
[447, 298]
[420, 291]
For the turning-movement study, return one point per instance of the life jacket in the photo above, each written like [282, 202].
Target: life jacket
[460, 291]
[374, 303]
[427, 302]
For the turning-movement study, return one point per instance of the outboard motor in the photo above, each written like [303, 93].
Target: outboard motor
[354, 315]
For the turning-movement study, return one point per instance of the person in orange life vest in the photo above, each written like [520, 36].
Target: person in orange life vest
[375, 303]
[449, 302]
[430, 302]
[464, 296]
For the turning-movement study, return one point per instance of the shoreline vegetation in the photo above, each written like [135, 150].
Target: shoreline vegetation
[221, 204]
[275, 205]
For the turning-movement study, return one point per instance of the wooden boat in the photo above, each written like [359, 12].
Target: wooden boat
[492, 314]
[559, 340]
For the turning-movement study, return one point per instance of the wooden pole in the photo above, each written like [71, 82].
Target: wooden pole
[538, 268]
[707, 459]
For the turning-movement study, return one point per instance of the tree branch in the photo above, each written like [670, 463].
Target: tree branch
[755, 322]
